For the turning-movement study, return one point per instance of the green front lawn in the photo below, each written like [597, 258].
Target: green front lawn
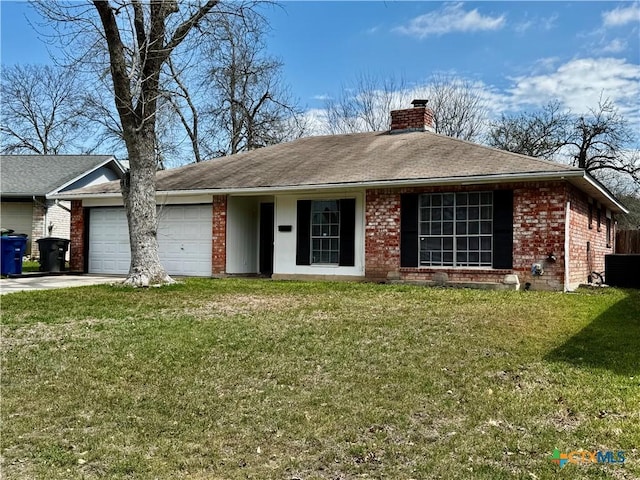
[251, 379]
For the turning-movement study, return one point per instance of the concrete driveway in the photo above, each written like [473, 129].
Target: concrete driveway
[37, 282]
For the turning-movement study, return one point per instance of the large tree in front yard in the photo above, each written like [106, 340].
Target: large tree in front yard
[137, 89]
[136, 39]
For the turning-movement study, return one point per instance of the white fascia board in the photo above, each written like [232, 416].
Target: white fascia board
[53, 193]
[604, 192]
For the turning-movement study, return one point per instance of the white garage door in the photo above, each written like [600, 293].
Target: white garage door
[184, 239]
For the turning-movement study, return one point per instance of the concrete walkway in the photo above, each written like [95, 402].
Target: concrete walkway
[38, 282]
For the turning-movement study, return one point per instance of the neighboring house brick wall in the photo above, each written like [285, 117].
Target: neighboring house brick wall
[38, 229]
[581, 261]
[77, 244]
[58, 219]
[49, 220]
[219, 235]
[47, 214]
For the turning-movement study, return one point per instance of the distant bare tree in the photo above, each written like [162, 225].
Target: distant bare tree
[537, 134]
[600, 142]
[183, 105]
[365, 106]
[458, 105]
[599, 139]
[631, 220]
[41, 110]
[250, 106]
[99, 109]
[459, 108]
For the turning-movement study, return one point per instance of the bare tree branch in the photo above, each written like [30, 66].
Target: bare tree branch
[459, 108]
[183, 29]
[190, 128]
[41, 110]
[248, 102]
[600, 142]
[538, 134]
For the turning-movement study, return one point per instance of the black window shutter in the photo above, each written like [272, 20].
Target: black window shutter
[409, 230]
[503, 229]
[347, 232]
[303, 233]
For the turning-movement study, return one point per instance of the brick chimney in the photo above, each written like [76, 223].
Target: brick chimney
[416, 119]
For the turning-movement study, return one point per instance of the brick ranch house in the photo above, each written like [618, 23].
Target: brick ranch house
[401, 205]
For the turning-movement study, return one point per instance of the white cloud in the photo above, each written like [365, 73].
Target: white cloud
[543, 65]
[316, 122]
[621, 15]
[522, 27]
[536, 23]
[614, 46]
[450, 18]
[580, 83]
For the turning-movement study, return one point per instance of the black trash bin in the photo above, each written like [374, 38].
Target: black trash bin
[12, 247]
[53, 251]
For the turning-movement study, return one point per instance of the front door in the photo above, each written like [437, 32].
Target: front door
[266, 238]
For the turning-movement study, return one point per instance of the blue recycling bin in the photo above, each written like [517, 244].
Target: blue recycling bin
[12, 247]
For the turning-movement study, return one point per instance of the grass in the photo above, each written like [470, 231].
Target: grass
[249, 379]
[30, 266]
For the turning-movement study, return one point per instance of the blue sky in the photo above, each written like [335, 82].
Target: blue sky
[523, 54]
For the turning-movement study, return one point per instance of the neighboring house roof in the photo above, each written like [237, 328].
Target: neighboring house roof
[362, 159]
[44, 175]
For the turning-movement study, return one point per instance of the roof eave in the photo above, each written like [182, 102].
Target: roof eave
[29, 195]
[592, 183]
[52, 194]
[462, 180]
[579, 178]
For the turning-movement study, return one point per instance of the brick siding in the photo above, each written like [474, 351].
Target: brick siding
[37, 226]
[77, 237]
[382, 234]
[539, 230]
[58, 219]
[219, 235]
[581, 261]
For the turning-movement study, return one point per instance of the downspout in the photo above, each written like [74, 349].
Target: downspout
[567, 245]
[62, 206]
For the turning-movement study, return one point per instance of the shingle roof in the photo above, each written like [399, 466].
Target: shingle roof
[348, 159]
[42, 174]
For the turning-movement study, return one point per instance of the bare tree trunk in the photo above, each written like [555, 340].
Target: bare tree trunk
[138, 191]
[137, 109]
